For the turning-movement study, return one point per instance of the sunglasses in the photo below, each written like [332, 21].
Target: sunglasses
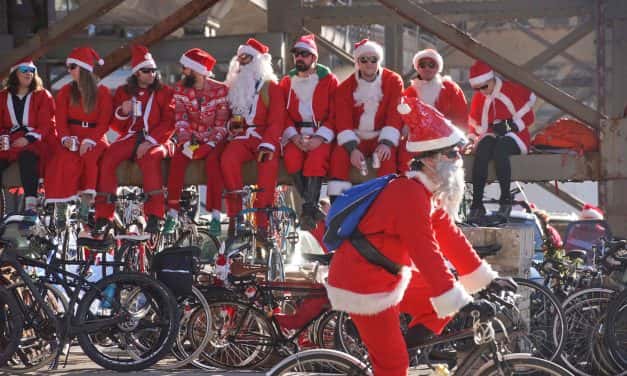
[425, 64]
[368, 59]
[71, 66]
[451, 153]
[148, 70]
[302, 53]
[244, 57]
[480, 87]
[25, 69]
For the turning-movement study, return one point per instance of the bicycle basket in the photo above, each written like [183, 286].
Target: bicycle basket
[175, 267]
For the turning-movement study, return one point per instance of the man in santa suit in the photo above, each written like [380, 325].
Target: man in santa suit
[367, 122]
[310, 92]
[201, 112]
[143, 117]
[258, 109]
[411, 223]
[437, 91]
[501, 113]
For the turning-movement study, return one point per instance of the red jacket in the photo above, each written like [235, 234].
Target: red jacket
[38, 120]
[403, 225]
[508, 101]
[355, 122]
[158, 122]
[100, 115]
[202, 113]
[320, 107]
[445, 95]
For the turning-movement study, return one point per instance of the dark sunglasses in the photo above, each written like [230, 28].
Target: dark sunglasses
[480, 87]
[425, 64]
[302, 53]
[148, 70]
[25, 69]
[72, 66]
[368, 59]
[451, 153]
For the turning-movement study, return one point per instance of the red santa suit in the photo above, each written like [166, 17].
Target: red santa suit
[508, 100]
[366, 114]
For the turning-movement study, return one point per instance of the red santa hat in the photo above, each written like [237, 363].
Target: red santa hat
[480, 72]
[84, 57]
[429, 130]
[430, 54]
[590, 211]
[25, 62]
[368, 47]
[141, 58]
[307, 43]
[253, 47]
[198, 60]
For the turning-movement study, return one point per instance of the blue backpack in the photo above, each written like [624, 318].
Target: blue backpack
[346, 213]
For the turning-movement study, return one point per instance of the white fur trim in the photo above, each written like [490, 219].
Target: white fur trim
[450, 302]
[403, 108]
[34, 134]
[30, 64]
[428, 91]
[325, 133]
[519, 142]
[193, 65]
[88, 192]
[336, 187]
[246, 49]
[306, 47]
[368, 304]
[423, 178]
[288, 133]
[347, 136]
[80, 63]
[454, 138]
[371, 48]
[118, 116]
[590, 214]
[266, 145]
[187, 151]
[62, 199]
[145, 64]
[429, 53]
[151, 139]
[474, 81]
[479, 278]
[391, 134]
[88, 141]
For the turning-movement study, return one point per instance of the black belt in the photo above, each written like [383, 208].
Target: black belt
[306, 124]
[84, 124]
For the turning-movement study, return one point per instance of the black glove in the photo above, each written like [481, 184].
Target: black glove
[499, 284]
[485, 308]
[501, 128]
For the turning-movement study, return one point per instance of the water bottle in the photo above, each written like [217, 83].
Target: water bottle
[221, 268]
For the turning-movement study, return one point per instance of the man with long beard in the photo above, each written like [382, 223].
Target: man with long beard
[411, 224]
[258, 109]
[367, 123]
[310, 92]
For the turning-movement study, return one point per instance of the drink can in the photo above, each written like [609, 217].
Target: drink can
[363, 169]
[137, 108]
[5, 142]
[376, 162]
[73, 143]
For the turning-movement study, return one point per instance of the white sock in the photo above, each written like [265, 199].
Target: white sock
[173, 213]
[215, 214]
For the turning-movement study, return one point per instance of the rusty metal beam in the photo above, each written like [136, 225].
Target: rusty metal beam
[50, 37]
[345, 56]
[118, 57]
[464, 42]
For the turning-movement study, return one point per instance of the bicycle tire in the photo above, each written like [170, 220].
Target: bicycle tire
[616, 329]
[523, 364]
[160, 298]
[10, 325]
[321, 360]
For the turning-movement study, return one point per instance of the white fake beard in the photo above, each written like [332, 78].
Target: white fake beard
[428, 91]
[450, 191]
[369, 94]
[241, 80]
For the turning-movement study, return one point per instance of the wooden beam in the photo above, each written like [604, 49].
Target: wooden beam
[50, 37]
[568, 198]
[159, 31]
[345, 56]
[464, 42]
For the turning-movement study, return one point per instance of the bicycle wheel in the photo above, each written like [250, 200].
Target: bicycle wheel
[146, 335]
[324, 330]
[522, 364]
[11, 321]
[320, 361]
[209, 245]
[616, 329]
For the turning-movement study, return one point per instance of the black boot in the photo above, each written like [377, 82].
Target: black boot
[311, 213]
[299, 183]
[154, 224]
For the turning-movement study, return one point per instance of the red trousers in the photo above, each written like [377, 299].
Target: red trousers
[236, 153]
[381, 332]
[67, 173]
[341, 165]
[150, 166]
[312, 163]
[215, 182]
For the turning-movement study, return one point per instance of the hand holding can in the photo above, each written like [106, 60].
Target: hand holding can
[137, 108]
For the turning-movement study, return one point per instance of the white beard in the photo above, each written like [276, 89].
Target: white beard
[428, 91]
[242, 80]
[304, 88]
[450, 191]
[369, 94]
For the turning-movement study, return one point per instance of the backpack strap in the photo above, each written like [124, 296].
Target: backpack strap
[372, 254]
[264, 93]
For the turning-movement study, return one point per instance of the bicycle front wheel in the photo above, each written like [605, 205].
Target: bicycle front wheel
[11, 321]
[522, 364]
[320, 361]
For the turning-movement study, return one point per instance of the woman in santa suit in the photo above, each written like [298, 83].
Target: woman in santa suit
[26, 116]
[83, 112]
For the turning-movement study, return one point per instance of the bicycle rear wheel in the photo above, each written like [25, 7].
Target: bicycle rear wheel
[616, 330]
[11, 321]
[320, 361]
[522, 364]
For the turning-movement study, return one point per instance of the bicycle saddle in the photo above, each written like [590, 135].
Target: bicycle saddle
[240, 270]
[95, 244]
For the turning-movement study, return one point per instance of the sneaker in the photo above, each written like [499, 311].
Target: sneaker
[153, 226]
[170, 224]
[215, 227]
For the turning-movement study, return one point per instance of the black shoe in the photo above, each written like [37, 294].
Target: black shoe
[154, 224]
[417, 335]
[505, 209]
[476, 213]
[308, 217]
[101, 227]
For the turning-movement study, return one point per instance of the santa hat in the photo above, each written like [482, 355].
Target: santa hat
[198, 60]
[307, 43]
[429, 130]
[431, 54]
[84, 57]
[25, 62]
[480, 72]
[591, 212]
[253, 47]
[141, 58]
[368, 47]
